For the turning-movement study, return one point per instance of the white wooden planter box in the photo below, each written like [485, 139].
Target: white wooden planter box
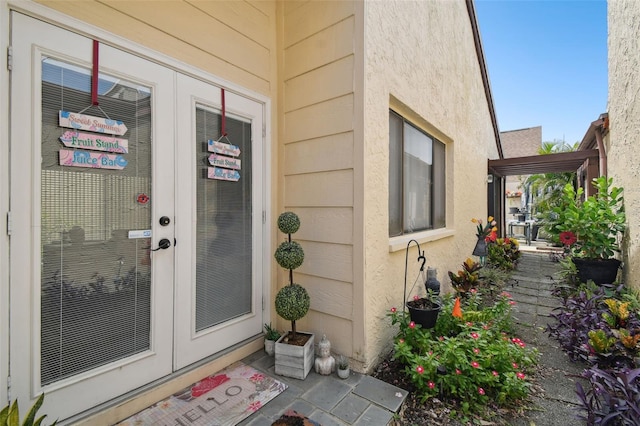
[294, 361]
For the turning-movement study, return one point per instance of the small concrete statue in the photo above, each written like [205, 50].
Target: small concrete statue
[325, 364]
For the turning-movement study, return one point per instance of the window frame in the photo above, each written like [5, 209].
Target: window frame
[438, 175]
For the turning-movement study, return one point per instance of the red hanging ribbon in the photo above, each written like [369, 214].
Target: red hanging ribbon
[223, 124]
[94, 75]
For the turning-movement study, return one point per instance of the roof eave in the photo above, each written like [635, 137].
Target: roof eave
[485, 75]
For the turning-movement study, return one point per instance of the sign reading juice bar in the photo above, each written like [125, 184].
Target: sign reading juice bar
[92, 141]
[94, 160]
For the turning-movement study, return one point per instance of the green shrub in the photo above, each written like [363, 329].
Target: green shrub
[504, 253]
[597, 222]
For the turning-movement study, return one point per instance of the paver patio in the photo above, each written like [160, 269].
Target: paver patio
[364, 400]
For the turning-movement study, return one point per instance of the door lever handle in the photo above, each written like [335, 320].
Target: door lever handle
[163, 244]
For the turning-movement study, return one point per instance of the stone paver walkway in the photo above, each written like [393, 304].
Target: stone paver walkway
[534, 281]
[363, 400]
[359, 400]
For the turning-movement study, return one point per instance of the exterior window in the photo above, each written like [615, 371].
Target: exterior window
[416, 179]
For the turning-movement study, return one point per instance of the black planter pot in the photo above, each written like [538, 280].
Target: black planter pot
[600, 271]
[425, 317]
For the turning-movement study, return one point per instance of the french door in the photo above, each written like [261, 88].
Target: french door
[133, 249]
[219, 218]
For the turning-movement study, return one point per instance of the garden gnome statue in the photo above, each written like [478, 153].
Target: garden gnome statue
[325, 364]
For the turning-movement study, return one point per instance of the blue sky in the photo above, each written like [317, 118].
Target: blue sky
[547, 62]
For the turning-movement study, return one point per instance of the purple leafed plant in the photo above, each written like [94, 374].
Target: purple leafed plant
[613, 397]
[585, 311]
[578, 315]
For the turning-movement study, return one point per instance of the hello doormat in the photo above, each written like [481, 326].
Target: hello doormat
[222, 399]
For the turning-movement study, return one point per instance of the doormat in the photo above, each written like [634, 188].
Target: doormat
[223, 399]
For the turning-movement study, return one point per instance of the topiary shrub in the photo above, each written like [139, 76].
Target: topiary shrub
[289, 255]
[292, 301]
[288, 223]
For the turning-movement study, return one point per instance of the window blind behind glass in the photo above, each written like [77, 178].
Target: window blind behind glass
[95, 281]
[223, 242]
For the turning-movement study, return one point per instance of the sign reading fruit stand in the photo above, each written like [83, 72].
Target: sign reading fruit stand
[93, 142]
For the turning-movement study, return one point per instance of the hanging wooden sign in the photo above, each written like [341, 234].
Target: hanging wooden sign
[223, 148]
[223, 174]
[226, 162]
[91, 159]
[91, 123]
[94, 142]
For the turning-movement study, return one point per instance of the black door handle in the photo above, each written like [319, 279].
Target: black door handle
[163, 244]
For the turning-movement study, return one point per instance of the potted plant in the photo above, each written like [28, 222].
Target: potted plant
[343, 367]
[270, 337]
[294, 352]
[592, 229]
[425, 310]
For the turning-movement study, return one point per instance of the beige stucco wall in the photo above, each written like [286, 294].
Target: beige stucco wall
[420, 58]
[624, 116]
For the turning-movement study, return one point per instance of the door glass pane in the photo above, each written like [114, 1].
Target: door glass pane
[95, 278]
[223, 229]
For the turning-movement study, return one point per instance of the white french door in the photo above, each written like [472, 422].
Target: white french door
[132, 253]
[220, 250]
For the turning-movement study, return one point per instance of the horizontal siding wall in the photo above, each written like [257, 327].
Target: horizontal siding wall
[231, 39]
[317, 146]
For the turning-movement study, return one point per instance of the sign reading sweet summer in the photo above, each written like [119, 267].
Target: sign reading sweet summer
[91, 159]
[223, 174]
[93, 142]
[223, 148]
[91, 123]
[222, 161]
